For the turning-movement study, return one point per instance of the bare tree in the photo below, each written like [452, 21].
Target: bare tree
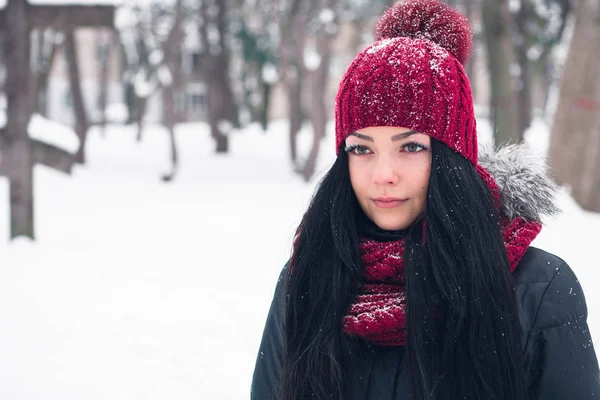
[16, 155]
[256, 35]
[471, 62]
[215, 69]
[141, 69]
[538, 27]
[45, 48]
[81, 117]
[153, 49]
[292, 28]
[19, 151]
[142, 46]
[104, 43]
[172, 52]
[574, 153]
[497, 31]
[326, 31]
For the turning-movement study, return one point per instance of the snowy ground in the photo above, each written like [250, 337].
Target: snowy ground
[137, 289]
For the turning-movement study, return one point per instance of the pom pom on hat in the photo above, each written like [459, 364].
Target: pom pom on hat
[431, 20]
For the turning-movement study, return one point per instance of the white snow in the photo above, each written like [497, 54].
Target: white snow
[164, 75]
[142, 86]
[55, 133]
[514, 5]
[117, 113]
[380, 45]
[156, 57]
[213, 34]
[225, 126]
[515, 69]
[269, 73]
[47, 131]
[124, 18]
[534, 52]
[312, 59]
[136, 289]
[326, 16]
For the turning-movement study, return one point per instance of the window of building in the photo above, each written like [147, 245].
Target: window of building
[68, 99]
[196, 102]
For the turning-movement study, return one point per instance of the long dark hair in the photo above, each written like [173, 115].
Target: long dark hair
[463, 330]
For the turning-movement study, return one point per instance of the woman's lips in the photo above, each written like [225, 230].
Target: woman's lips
[388, 202]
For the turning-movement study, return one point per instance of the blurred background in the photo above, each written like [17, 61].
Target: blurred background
[156, 157]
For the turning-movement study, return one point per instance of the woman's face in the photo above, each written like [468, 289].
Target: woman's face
[389, 170]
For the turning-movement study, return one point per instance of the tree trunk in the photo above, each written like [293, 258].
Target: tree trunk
[496, 22]
[547, 69]
[105, 44]
[2, 57]
[574, 153]
[265, 105]
[471, 62]
[35, 49]
[173, 62]
[219, 95]
[81, 120]
[525, 106]
[221, 138]
[525, 109]
[16, 156]
[291, 54]
[294, 95]
[47, 55]
[318, 111]
[168, 96]
[139, 113]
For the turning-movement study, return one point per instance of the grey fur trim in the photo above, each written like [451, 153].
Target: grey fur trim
[526, 189]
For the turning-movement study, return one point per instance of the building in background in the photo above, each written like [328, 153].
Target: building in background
[93, 45]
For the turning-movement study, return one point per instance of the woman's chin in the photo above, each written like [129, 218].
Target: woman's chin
[389, 225]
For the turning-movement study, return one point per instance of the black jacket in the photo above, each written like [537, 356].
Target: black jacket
[560, 361]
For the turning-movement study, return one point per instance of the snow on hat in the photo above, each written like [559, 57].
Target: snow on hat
[412, 76]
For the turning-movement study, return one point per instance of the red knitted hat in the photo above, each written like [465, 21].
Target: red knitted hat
[412, 76]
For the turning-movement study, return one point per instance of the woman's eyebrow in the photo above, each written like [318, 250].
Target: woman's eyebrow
[395, 138]
[363, 137]
[403, 135]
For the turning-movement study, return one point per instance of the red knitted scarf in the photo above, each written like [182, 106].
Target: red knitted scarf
[378, 313]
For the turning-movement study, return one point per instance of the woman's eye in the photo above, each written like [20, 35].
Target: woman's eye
[358, 150]
[414, 147]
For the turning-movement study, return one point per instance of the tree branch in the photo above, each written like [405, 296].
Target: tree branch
[51, 156]
[2, 147]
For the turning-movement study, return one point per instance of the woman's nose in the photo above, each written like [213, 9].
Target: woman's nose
[384, 172]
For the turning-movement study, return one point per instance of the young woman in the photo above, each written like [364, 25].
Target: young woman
[411, 275]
